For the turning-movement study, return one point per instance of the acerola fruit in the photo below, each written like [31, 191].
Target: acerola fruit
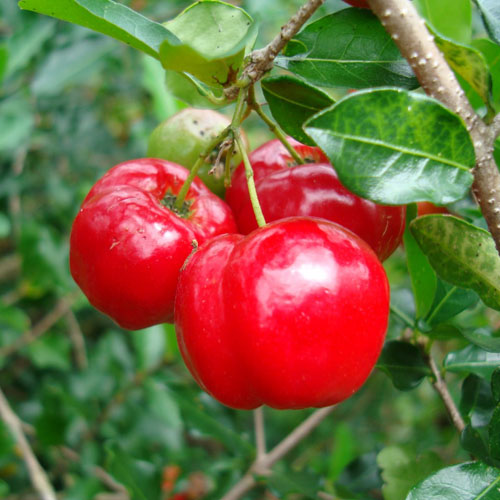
[127, 244]
[285, 189]
[293, 315]
[428, 208]
[185, 135]
[362, 4]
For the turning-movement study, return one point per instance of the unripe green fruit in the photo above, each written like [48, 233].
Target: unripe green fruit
[184, 136]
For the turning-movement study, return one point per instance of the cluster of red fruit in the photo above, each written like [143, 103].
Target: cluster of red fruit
[291, 315]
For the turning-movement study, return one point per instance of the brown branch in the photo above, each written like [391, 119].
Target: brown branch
[61, 308]
[442, 389]
[77, 340]
[37, 475]
[408, 30]
[261, 60]
[260, 435]
[262, 465]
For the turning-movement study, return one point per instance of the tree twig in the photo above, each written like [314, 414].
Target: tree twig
[77, 339]
[38, 477]
[408, 30]
[61, 308]
[261, 60]
[442, 389]
[260, 435]
[262, 465]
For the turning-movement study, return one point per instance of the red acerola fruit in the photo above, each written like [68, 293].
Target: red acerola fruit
[291, 316]
[285, 189]
[127, 243]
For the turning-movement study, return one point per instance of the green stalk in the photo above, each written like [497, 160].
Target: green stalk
[259, 216]
[273, 127]
[199, 162]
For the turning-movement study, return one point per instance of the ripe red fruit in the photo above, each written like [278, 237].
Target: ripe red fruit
[127, 246]
[285, 189]
[291, 316]
[362, 4]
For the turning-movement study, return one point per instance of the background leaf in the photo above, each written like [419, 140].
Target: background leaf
[292, 101]
[347, 49]
[461, 254]
[107, 17]
[490, 10]
[428, 156]
[472, 359]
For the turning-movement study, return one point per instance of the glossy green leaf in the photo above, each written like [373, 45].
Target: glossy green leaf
[349, 48]
[461, 254]
[107, 17]
[451, 18]
[428, 156]
[476, 402]
[469, 63]
[402, 469]
[449, 301]
[491, 52]
[494, 434]
[472, 359]
[490, 10]
[423, 277]
[4, 55]
[214, 38]
[475, 442]
[292, 101]
[469, 481]
[483, 339]
[404, 363]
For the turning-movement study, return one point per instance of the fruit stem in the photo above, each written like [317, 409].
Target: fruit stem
[273, 127]
[181, 196]
[252, 191]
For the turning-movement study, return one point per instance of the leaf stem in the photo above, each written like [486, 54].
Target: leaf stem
[252, 191]
[181, 196]
[402, 316]
[273, 127]
[441, 304]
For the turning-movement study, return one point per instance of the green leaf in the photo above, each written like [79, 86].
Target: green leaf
[402, 469]
[163, 405]
[451, 18]
[285, 484]
[149, 345]
[469, 481]
[483, 339]
[362, 475]
[214, 37]
[428, 156]
[476, 402]
[494, 434]
[491, 52]
[472, 359]
[349, 48]
[140, 478]
[449, 301]
[4, 56]
[292, 101]
[495, 385]
[461, 254]
[52, 350]
[490, 10]
[107, 17]
[423, 277]
[469, 63]
[404, 364]
[475, 442]
[16, 121]
[70, 65]
[342, 451]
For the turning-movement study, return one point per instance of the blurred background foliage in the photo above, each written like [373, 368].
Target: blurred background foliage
[105, 407]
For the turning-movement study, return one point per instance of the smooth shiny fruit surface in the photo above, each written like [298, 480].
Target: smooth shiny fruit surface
[185, 135]
[293, 315]
[362, 4]
[127, 246]
[286, 189]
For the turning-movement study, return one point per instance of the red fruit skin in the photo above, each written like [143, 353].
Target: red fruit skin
[311, 190]
[293, 315]
[126, 247]
[428, 208]
[362, 4]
